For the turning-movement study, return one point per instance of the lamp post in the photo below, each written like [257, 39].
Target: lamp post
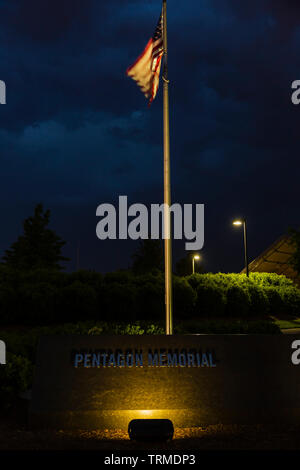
[195, 257]
[243, 222]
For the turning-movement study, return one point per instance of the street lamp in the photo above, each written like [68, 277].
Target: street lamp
[237, 223]
[195, 257]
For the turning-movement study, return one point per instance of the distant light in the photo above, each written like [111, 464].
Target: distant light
[196, 257]
[237, 222]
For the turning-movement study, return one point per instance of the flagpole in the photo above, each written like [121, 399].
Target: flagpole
[167, 183]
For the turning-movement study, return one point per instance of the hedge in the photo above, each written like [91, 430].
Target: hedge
[46, 297]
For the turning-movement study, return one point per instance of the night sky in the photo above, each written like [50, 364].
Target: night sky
[76, 131]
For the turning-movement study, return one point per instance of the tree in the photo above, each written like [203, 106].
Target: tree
[38, 247]
[295, 258]
[148, 257]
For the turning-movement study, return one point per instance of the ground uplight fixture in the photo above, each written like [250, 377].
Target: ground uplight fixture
[195, 257]
[151, 430]
[239, 222]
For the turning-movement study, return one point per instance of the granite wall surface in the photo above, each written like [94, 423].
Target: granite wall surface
[94, 382]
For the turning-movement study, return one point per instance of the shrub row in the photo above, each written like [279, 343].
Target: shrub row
[44, 298]
[236, 295]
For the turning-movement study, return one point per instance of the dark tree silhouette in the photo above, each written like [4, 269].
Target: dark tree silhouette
[148, 257]
[38, 247]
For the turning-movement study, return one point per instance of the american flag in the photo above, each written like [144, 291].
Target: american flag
[146, 69]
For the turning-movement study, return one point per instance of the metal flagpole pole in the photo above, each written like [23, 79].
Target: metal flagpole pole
[246, 247]
[167, 185]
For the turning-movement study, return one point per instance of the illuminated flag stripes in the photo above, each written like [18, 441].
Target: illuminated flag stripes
[146, 69]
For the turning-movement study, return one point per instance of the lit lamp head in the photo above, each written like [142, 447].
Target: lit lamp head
[238, 222]
[197, 257]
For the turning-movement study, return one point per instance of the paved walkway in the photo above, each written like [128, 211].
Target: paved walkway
[291, 331]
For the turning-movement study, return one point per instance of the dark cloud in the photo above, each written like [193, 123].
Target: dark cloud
[48, 20]
[77, 132]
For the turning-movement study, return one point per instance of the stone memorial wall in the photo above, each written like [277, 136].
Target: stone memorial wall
[96, 382]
